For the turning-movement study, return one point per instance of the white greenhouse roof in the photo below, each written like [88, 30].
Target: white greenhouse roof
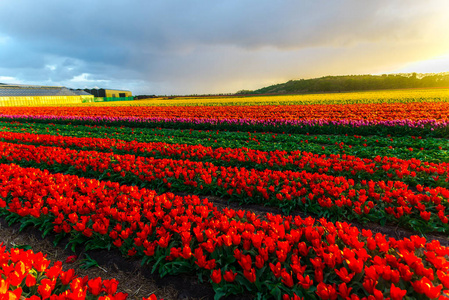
[19, 90]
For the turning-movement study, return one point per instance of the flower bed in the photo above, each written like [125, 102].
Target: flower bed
[322, 194]
[398, 118]
[403, 147]
[234, 250]
[372, 162]
[411, 171]
[28, 275]
[372, 112]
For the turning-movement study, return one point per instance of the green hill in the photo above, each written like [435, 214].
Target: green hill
[356, 83]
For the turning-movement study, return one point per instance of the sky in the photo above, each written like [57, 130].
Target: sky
[180, 47]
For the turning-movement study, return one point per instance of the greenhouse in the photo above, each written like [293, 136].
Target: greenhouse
[35, 95]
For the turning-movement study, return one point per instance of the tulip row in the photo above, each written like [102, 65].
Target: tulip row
[28, 275]
[322, 194]
[411, 171]
[366, 147]
[143, 134]
[335, 112]
[423, 127]
[279, 256]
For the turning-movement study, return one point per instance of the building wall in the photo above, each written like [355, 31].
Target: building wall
[109, 93]
[117, 93]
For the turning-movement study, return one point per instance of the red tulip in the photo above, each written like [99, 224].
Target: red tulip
[250, 275]
[45, 288]
[216, 276]
[326, 291]
[229, 276]
[71, 259]
[397, 293]
[95, 286]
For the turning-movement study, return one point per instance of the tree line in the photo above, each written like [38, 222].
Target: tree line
[356, 83]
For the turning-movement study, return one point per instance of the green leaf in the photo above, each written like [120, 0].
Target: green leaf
[159, 260]
[24, 247]
[219, 293]
[26, 223]
[146, 260]
[88, 262]
[12, 218]
[79, 239]
[47, 231]
[101, 242]
[276, 292]
[58, 238]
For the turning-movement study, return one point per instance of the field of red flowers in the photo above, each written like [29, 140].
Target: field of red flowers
[137, 179]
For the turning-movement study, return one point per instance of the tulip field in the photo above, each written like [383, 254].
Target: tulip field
[31, 273]
[143, 179]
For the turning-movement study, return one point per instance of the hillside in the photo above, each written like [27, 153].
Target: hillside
[356, 83]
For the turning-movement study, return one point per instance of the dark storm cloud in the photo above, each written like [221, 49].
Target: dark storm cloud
[205, 46]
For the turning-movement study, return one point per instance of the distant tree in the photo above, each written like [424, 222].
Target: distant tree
[244, 92]
[356, 83]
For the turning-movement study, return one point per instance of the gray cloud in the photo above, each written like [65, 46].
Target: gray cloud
[175, 47]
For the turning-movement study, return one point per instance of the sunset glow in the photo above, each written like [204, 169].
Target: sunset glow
[435, 65]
